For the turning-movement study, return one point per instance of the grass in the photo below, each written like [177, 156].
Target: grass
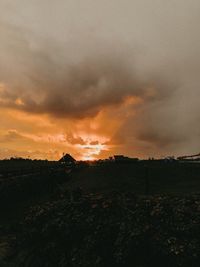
[163, 178]
[105, 208]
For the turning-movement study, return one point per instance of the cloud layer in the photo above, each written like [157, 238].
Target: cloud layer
[37, 80]
[130, 67]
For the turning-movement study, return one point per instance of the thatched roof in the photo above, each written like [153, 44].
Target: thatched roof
[67, 158]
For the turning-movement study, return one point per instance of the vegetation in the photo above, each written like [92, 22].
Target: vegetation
[116, 230]
[91, 215]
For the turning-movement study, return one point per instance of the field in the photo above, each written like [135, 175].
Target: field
[118, 214]
[159, 177]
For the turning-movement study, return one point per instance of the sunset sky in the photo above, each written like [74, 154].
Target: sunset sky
[95, 78]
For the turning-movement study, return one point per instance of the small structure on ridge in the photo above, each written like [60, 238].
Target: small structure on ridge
[67, 159]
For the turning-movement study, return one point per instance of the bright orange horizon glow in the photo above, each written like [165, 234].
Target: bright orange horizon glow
[41, 137]
[92, 151]
[35, 136]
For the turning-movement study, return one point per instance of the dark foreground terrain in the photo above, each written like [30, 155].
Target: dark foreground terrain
[141, 214]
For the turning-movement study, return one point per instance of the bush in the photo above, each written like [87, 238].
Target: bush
[116, 230]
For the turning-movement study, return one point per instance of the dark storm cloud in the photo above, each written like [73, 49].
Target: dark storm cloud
[37, 83]
[40, 79]
[37, 80]
[76, 58]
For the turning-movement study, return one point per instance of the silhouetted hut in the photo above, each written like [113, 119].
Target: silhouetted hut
[67, 159]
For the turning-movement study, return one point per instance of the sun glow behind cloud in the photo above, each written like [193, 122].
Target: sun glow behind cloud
[90, 152]
[27, 135]
[94, 79]
[93, 147]
[89, 148]
[43, 136]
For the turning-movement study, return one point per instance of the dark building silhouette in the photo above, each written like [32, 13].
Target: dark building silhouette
[122, 158]
[67, 159]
